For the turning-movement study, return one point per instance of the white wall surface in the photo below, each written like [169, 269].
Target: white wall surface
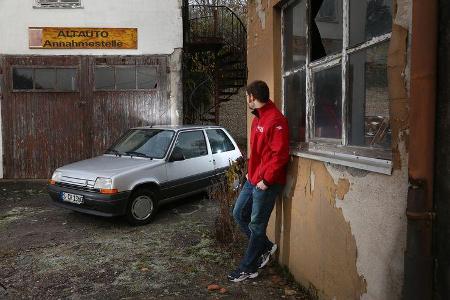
[375, 208]
[159, 24]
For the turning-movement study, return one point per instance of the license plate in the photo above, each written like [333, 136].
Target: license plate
[72, 198]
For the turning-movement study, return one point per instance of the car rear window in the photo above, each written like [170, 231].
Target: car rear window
[219, 141]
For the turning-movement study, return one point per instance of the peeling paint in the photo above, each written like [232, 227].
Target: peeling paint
[322, 250]
[397, 90]
[402, 15]
[342, 188]
[341, 229]
[260, 12]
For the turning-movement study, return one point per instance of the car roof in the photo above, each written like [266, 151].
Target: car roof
[179, 127]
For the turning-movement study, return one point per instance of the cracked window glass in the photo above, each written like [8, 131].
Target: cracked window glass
[328, 103]
[368, 19]
[369, 99]
[294, 37]
[295, 108]
[326, 28]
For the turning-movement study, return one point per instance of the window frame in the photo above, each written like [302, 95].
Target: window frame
[58, 4]
[205, 138]
[115, 67]
[337, 151]
[35, 67]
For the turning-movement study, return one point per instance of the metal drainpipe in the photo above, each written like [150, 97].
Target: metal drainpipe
[419, 255]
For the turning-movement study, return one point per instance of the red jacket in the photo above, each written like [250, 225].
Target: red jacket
[269, 146]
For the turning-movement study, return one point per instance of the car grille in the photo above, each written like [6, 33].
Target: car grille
[77, 184]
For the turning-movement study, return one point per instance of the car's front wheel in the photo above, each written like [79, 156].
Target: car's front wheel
[141, 207]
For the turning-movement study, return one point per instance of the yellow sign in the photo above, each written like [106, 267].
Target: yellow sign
[82, 38]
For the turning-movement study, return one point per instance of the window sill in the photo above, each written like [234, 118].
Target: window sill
[359, 162]
[57, 7]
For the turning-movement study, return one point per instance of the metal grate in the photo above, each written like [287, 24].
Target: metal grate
[58, 4]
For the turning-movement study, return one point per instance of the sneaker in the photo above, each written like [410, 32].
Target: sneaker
[265, 257]
[237, 276]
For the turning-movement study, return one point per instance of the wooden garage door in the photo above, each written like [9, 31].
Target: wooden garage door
[44, 125]
[61, 109]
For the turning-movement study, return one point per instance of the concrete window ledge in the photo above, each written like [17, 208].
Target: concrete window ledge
[359, 162]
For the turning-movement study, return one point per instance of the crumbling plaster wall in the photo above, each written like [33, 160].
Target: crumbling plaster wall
[341, 231]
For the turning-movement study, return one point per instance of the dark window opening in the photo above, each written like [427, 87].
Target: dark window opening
[328, 103]
[295, 108]
[22, 79]
[50, 79]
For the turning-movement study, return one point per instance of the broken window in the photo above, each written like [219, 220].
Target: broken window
[57, 4]
[335, 80]
[126, 77]
[326, 28]
[45, 79]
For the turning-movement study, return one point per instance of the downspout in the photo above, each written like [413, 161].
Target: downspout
[419, 255]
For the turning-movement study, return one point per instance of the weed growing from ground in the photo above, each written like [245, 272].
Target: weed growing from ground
[225, 192]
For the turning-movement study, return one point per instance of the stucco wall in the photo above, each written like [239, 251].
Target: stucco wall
[341, 230]
[159, 24]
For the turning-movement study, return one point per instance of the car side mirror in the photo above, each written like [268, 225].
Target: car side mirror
[177, 155]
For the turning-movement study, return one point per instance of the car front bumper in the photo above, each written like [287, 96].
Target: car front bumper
[94, 203]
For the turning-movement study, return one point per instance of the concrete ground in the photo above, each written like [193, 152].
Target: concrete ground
[47, 252]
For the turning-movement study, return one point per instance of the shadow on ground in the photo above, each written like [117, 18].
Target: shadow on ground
[48, 252]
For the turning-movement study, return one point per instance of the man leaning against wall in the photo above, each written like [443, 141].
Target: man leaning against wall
[269, 155]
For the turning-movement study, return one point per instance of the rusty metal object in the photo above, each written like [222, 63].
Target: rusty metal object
[419, 256]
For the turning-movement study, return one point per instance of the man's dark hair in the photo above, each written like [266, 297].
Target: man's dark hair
[259, 90]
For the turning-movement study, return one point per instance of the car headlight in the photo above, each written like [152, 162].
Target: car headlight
[56, 176]
[103, 183]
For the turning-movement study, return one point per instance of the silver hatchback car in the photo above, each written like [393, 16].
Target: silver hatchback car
[144, 168]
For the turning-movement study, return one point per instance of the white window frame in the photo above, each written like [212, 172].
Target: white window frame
[57, 4]
[336, 151]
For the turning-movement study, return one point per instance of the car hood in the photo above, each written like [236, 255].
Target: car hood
[106, 166]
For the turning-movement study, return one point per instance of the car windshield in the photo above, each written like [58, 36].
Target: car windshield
[151, 143]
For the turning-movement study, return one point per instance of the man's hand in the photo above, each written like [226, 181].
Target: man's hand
[262, 186]
[246, 176]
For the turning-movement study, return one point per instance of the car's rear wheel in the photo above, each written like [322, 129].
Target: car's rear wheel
[141, 207]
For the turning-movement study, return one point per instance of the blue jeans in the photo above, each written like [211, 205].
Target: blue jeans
[252, 212]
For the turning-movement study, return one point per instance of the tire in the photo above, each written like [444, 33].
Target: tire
[141, 207]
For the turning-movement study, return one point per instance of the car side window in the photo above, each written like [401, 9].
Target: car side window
[219, 141]
[192, 144]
